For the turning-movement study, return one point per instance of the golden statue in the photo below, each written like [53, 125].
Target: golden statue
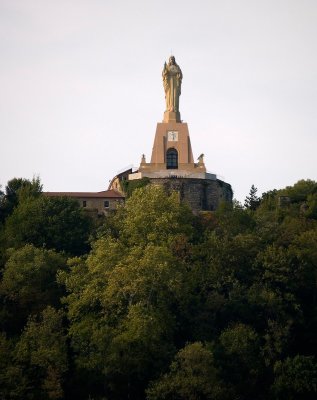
[172, 81]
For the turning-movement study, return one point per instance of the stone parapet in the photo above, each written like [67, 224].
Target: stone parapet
[170, 173]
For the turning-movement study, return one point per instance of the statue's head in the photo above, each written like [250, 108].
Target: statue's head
[171, 60]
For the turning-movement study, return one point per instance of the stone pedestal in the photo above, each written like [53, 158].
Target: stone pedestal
[172, 116]
[179, 140]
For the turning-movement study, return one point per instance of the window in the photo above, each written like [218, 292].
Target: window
[106, 203]
[84, 203]
[171, 159]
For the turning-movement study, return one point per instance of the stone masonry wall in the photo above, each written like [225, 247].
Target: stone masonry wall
[199, 194]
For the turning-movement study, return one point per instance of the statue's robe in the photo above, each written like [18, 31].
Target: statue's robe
[172, 79]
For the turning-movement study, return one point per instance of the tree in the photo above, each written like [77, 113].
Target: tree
[295, 378]
[238, 356]
[122, 301]
[311, 211]
[16, 190]
[29, 284]
[272, 296]
[10, 372]
[166, 304]
[192, 376]
[122, 319]
[153, 216]
[1, 199]
[50, 222]
[299, 192]
[233, 219]
[252, 202]
[42, 353]
[129, 186]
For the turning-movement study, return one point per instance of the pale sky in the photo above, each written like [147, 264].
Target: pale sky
[81, 89]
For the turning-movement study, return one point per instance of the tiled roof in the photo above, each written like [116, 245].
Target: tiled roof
[106, 194]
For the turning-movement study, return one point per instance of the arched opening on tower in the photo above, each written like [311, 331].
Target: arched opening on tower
[171, 159]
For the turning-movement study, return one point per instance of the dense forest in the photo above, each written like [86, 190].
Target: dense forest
[156, 303]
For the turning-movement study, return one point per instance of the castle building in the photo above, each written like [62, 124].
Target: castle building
[172, 163]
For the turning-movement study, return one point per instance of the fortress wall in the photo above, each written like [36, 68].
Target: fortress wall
[199, 194]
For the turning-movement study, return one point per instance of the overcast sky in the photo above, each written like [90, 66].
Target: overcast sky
[81, 89]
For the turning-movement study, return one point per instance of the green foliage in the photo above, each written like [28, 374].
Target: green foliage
[34, 367]
[295, 378]
[18, 190]
[129, 186]
[42, 352]
[192, 376]
[233, 220]
[300, 191]
[152, 216]
[252, 201]
[238, 356]
[269, 200]
[298, 199]
[29, 284]
[120, 300]
[51, 222]
[9, 372]
[165, 304]
[311, 210]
